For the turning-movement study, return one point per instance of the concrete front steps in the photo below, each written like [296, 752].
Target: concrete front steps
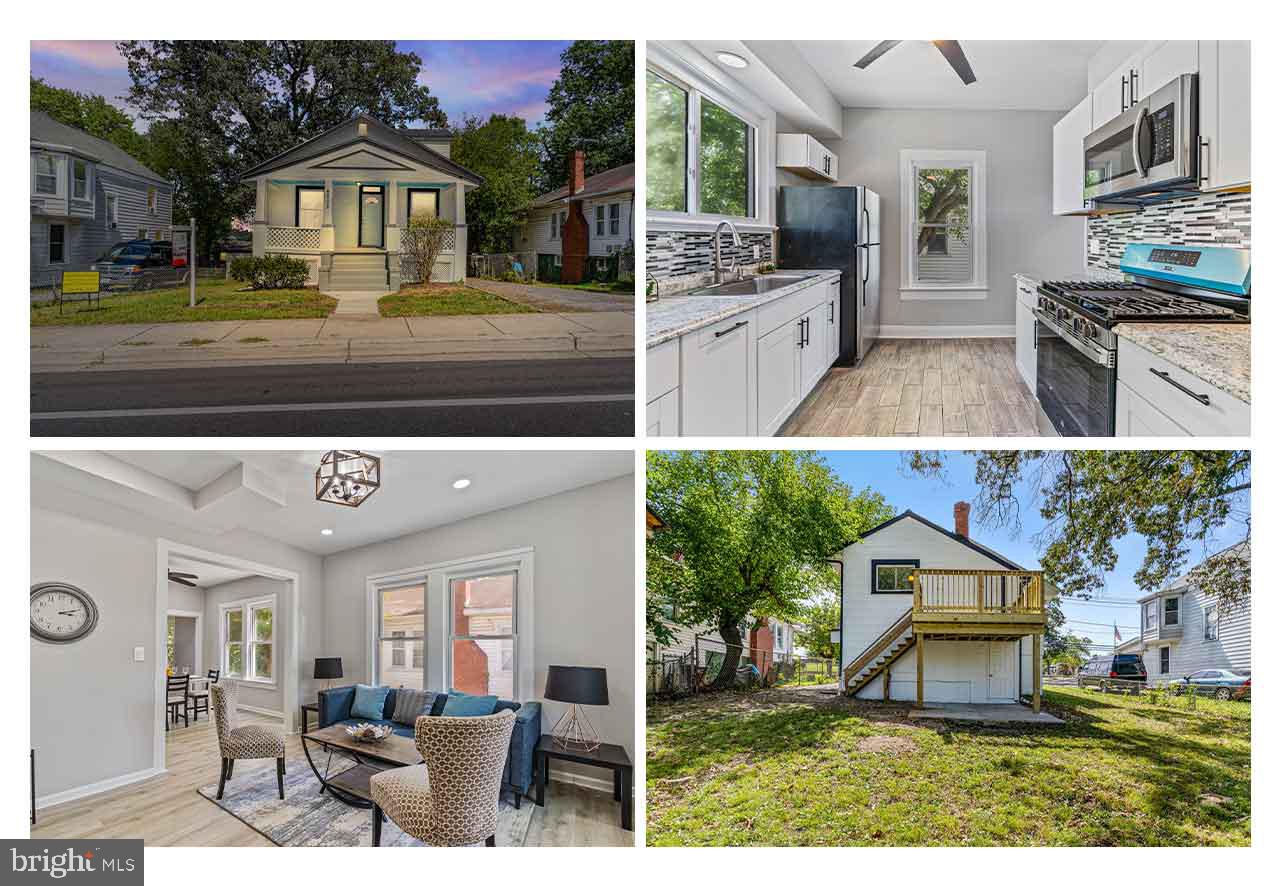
[358, 272]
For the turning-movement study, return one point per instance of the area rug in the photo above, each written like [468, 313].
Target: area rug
[306, 817]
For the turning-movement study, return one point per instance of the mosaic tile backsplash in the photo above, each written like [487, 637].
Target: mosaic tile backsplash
[1207, 220]
[677, 253]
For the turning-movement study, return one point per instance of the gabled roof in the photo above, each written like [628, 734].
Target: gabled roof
[49, 132]
[612, 181]
[954, 536]
[380, 135]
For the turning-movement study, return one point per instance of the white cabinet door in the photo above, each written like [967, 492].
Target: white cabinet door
[1024, 344]
[813, 356]
[1111, 97]
[778, 376]
[662, 418]
[1225, 124]
[832, 328]
[1069, 134]
[1135, 417]
[716, 383]
[1170, 59]
[1190, 403]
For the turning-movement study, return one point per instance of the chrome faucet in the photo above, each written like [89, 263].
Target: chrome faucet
[715, 241]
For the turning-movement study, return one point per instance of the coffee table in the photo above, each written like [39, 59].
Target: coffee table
[351, 786]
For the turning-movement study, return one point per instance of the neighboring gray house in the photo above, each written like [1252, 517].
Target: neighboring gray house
[87, 194]
[1183, 630]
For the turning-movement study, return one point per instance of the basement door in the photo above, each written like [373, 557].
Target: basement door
[1002, 676]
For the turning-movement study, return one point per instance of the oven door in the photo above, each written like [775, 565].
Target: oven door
[1075, 382]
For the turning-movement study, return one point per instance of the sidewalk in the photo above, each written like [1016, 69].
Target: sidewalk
[332, 340]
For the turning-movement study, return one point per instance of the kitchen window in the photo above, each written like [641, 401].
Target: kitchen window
[401, 623]
[47, 169]
[600, 220]
[79, 179]
[1170, 611]
[247, 639]
[893, 576]
[615, 219]
[57, 244]
[1211, 622]
[944, 237]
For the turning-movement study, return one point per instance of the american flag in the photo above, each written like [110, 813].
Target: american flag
[1117, 630]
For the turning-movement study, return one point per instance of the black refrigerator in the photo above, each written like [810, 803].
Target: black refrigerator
[837, 228]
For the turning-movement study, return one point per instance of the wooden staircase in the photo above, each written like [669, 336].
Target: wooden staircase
[876, 659]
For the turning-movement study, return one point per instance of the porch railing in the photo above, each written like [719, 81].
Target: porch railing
[293, 238]
[978, 592]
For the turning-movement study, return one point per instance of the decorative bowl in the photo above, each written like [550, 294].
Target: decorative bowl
[368, 732]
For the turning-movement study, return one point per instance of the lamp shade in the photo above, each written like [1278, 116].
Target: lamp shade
[577, 685]
[328, 669]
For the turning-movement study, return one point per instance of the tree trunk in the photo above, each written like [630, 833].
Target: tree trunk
[732, 637]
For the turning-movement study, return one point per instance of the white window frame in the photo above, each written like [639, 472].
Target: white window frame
[57, 174]
[153, 200]
[599, 219]
[1177, 612]
[378, 638]
[521, 617]
[49, 243]
[1165, 662]
[88, 180]
[247, 607]
[112, 211]
[910, 160]
[1150, 616]
[1215, 623]
[615, 219]
[697, 86]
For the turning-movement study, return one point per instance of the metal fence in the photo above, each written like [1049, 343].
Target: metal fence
[503, 265]
[615, 267]
[679, 673]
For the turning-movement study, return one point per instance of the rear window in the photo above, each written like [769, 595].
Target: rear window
[1128, 659]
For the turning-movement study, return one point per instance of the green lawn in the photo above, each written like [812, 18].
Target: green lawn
[218, 300]
[443, 300]
[617, 286]
[793, 767]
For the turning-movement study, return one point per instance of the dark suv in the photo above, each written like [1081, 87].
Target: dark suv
[1118, 671]
[138, 264]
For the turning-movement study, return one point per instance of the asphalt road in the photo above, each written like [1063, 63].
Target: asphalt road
[564, 397]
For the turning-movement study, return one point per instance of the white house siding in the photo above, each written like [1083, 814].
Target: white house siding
[956, 266]
[1192, 652]
[954, 670]
[536, 236]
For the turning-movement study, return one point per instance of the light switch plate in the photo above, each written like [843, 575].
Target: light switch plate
[139, 653]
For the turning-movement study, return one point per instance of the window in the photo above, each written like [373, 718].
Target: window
[893, 576]
[944, 252]
[724, 163]
[555, 226]
[1211, 621]
[113, 217]
[79, 179]
[615, 219]
[152, 200]
[482, 634]
[1170, 611]
[142, 233]
[401, 626]
[778, 638]
[424, 203]
[308, 210]
[47, 168]
[600, 220]
[666, 145]
[1149, 609]
[248, 639]
[57, 244]
[1164, 659]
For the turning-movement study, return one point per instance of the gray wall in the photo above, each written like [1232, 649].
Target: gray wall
[270, 698]
[584, 599]
[184, 643]
[1023, 235]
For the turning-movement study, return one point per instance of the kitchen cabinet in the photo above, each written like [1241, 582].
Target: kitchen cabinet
[1170, 59]
[1069, 134]
[717, 381]
[1152, 393]
[662, 416]
[1135, 417]
[1225, 126]
[833, 321]
[778, 376]
[1024, 337]
[813, 348]
[804, 155]
[1115, 94]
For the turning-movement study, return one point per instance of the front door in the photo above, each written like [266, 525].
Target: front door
[1003, 672]
[371, 216]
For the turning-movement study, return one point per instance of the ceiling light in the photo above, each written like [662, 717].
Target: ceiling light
[326, 532]
[347, 477]
[731, 60]
[461, 483]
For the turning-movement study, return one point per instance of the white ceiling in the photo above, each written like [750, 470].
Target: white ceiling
[1012, 74]
[208, 575]
[273, 493]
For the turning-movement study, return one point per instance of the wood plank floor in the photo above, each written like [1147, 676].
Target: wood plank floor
[964, 387]
[167, 811]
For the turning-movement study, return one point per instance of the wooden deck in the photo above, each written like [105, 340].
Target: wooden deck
[966, 387]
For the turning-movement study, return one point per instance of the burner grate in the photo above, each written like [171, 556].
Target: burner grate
[1113, 303]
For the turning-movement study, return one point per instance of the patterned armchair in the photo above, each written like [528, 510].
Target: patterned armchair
[236, 742]
[451, 799]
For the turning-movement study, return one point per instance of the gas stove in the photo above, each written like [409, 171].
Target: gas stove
[1089, 309]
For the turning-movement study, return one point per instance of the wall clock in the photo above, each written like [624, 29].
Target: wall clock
[61, 613]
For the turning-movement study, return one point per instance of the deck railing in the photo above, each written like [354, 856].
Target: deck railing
[978, 592]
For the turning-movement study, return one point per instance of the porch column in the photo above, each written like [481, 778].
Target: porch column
[1035, 672]
[326, 225]
[920, 670]
[460, 232]
[392, 238]
[259, 226]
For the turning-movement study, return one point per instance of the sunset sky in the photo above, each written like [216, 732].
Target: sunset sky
[468, 77]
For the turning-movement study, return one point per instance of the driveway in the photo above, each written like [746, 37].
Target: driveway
[552, 298]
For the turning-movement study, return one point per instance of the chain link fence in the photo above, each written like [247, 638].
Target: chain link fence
[676, 674]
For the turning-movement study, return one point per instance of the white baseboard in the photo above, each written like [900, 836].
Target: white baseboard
[590, 782]
[991, 330]
[97, 787]
[266, 712]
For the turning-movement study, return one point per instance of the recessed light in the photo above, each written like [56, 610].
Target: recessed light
[461, 483]
[731, 60]
[326, 532]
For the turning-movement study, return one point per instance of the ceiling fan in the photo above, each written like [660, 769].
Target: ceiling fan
[950, 50]
[183, 578]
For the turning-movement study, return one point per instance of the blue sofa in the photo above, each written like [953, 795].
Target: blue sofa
[517, 774]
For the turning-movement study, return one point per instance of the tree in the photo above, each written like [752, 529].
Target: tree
[755, 530]
[820, 617]
[942, 199]
[591, 107]
[506, 154]
[1073, 652]
[206, 182]
[1175, 499]
[91, 113]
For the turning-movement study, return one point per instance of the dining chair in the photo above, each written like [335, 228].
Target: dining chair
[199, 696]
[177, 689]
[236, 742]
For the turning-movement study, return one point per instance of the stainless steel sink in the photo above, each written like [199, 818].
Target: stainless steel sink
[752, 285]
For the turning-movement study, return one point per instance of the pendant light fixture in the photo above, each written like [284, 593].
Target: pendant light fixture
[348, 477]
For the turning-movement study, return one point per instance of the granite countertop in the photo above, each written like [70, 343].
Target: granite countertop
[1217, 353]
[675, 315]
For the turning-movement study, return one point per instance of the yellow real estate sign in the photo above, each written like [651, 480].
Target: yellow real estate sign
[80, 282]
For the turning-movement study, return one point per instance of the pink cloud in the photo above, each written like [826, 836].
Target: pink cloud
[100, 54]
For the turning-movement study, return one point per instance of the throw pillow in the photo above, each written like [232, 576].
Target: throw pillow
[410, 705]
[462, 705]
[370, 700]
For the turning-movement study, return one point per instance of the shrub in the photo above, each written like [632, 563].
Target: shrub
[421, 242]
[270, 271]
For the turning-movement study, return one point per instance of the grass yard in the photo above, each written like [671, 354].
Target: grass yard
[627, 286]
[219, 300]
[443, 299]
[797, 767]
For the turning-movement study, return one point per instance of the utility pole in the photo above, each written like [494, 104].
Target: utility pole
[191, 263]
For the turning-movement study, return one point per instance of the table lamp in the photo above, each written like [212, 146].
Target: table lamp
[576, 686]
[328, 669]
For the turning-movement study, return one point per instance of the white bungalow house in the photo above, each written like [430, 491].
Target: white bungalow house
[607, 200]
[340, 199]
[930, 615]
[1183, 630]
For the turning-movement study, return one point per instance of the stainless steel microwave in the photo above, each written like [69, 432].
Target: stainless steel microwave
[1149, 152]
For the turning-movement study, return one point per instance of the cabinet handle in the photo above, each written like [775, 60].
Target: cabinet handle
[1123, 82]
[806, 332]
[1133, 87]
[734, 328]
[1202, 398]
[800, 323]
[1204, 159]
[831, 308]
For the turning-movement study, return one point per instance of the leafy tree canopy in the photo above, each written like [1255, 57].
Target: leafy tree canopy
[1177, 500]
[91, 113]
[821, 617]
[506, 154]
[591, 107]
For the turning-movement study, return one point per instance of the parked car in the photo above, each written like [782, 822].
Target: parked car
[1221, 683]
[138, 264]
[1114, 670]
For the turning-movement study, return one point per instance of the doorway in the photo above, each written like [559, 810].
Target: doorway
[1003, 674]
[372, 217]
